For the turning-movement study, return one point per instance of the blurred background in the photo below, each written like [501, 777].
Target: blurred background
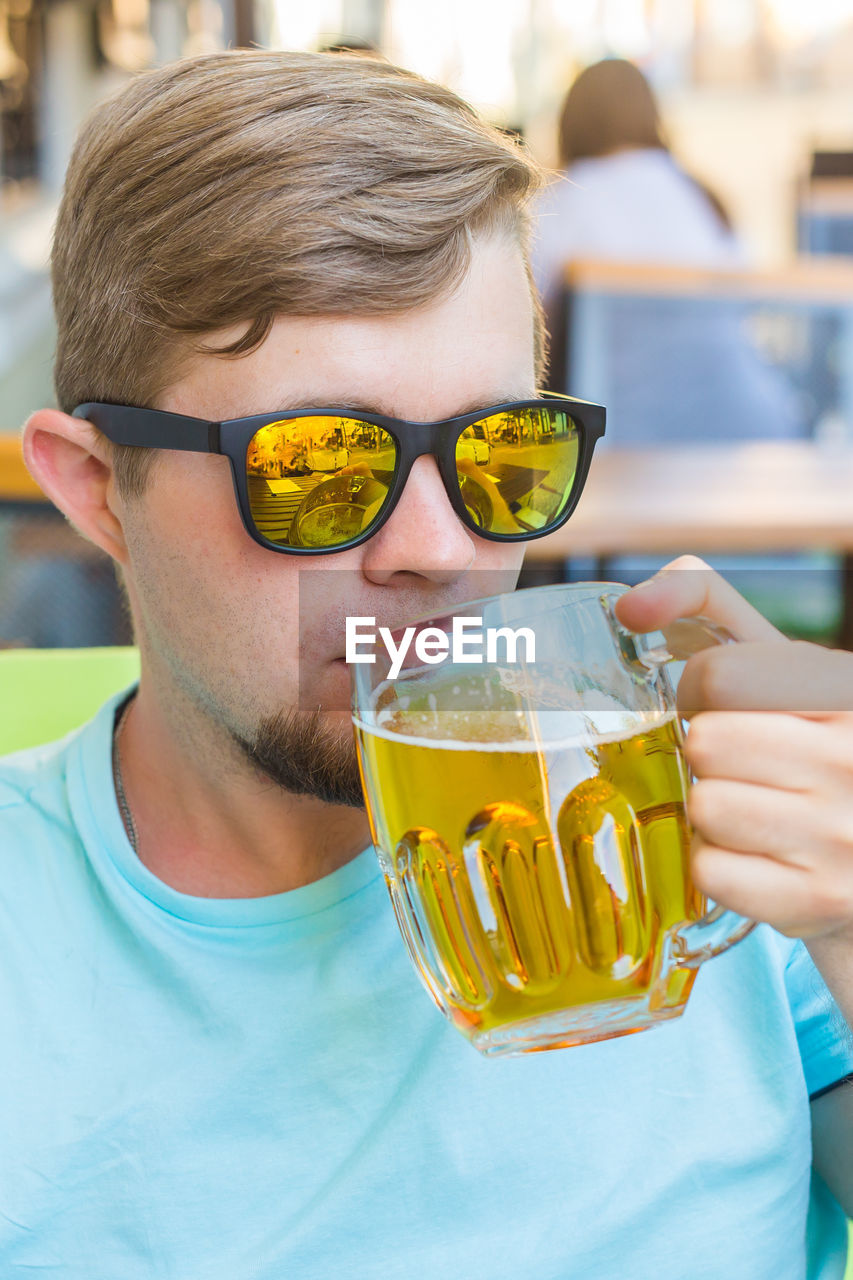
[697, 268]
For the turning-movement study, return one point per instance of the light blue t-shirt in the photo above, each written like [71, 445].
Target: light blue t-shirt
[260, 1089]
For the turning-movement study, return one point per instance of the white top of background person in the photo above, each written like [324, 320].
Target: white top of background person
[622, 195]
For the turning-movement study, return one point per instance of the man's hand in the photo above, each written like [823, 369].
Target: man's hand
[771, 746]
[770, 743]
[501, 515]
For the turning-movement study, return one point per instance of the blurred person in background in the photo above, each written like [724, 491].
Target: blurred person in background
[622, 194]
[352, 46]
[676, 373]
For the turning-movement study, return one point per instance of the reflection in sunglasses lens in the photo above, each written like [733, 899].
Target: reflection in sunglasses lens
[318, 482]
[517, 469]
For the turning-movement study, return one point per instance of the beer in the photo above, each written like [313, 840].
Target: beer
[535, 872]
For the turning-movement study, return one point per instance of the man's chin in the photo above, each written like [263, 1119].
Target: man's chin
[308, 753]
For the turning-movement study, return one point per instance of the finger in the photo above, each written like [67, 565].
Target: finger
[753, 819]
[790, 899]
[794, 677]
[768, 749]
[760, 888]
[687, 587]
[470, 468]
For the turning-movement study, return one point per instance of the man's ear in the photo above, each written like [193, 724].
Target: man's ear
[72, 463]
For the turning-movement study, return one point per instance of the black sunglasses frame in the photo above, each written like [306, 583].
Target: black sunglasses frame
[158, 429]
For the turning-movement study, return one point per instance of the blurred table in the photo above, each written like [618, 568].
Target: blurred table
[753, 498]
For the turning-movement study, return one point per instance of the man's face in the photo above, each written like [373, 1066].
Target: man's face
[218, 616]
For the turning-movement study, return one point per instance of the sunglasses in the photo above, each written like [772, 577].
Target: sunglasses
[313, 481]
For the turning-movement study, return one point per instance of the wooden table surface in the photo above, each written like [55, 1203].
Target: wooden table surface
[758, 497]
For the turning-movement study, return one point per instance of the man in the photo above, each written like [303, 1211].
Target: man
[219, 1062]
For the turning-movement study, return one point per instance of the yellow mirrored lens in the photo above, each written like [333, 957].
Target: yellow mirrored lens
[516, 470]
[318, 482]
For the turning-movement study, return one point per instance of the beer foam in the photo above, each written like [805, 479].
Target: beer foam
[531, 732]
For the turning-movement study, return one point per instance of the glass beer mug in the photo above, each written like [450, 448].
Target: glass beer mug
[529, 814]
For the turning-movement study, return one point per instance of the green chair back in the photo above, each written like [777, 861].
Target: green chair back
[45, 693]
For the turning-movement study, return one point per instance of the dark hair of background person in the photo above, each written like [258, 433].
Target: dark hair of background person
[611, 107]
[350, 44]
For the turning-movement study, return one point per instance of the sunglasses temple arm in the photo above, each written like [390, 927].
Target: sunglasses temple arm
[152, 428]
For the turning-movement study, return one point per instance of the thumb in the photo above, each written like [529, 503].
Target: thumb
[686, 588]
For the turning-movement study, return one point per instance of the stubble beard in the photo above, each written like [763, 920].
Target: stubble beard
[302, 753]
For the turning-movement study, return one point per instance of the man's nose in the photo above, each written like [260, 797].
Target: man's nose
[423, 534]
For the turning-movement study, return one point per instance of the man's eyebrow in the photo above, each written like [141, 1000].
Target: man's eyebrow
[287, 404]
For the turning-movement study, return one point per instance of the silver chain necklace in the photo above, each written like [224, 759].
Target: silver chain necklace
[123, 806]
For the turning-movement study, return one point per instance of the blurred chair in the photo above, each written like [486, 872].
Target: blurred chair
[825, 205]
[684, 356]
[687, 356]
[45, 693]
[825, 217]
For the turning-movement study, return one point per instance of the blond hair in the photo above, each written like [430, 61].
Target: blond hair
[231, 187]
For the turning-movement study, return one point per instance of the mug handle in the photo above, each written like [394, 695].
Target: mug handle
[646, 654]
